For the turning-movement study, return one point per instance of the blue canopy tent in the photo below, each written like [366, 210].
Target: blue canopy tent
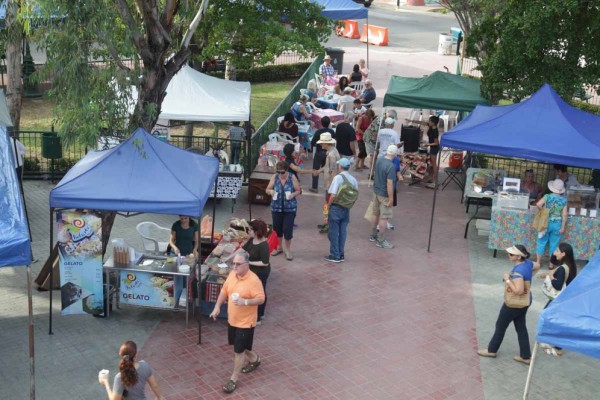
[342, 9]
[543, 128]
[15, 241]
[125, 178]
[572, 320]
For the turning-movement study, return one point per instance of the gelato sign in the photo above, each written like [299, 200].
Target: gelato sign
[146, 289]
[80, 254]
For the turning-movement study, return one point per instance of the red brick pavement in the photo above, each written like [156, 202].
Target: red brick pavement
[385, 324]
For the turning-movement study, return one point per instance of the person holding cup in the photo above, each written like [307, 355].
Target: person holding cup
[283, 189]
[184, 241]
[258, 251]
[244, 292]
[133, 375]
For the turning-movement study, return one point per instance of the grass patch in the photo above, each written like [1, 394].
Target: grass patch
[37, 114]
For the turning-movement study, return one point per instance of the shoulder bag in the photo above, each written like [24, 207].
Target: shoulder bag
[513, 300]
[540, 221]
[549, 290]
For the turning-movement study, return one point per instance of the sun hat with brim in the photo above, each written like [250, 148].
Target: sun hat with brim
[327, 57]
[326, 138]
[515, 252]
[557, 186]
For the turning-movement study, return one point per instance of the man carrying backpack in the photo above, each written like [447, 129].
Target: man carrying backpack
[343, 193]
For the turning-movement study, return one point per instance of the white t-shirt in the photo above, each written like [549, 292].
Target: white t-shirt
[385, 137]
[18, 155]
[337, 181]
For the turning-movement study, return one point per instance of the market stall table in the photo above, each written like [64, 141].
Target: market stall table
[229, 184]
[480, 188]
[334, 116]
[276, 149]
[508, 227]
[148, 282]
[415, 164]
[328, 101]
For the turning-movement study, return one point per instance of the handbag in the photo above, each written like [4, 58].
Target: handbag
[513, 300]
[540, 221]
[549, 290]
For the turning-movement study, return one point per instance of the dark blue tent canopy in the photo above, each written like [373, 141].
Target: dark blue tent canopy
[572, 320]
[543, 127]
[143, 174]
[15, 246]
[342, 9]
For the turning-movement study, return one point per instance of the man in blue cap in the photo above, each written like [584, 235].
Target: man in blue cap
[343, 192]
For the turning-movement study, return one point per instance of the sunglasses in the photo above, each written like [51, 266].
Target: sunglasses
[282, 172]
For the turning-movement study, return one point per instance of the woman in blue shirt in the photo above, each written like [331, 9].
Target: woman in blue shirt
[557, 219]
[515, 280]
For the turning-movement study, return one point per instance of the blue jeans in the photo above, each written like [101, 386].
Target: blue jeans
[517, 317]
[338, 220]
[552, 237]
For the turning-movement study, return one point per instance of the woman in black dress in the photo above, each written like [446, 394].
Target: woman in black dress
[258, 251]
[356, 75]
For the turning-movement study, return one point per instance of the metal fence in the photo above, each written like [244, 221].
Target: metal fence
[270, 125]
[516, 167]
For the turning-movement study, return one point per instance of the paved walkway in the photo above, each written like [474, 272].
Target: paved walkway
[385, 324]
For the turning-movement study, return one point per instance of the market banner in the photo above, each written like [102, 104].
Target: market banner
[79, 236]
[147, 289]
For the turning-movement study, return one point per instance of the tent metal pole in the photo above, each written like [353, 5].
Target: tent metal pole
[249, 157]
[31, 340]
[51, 285]
[435, 190]
[530, 372]
[367, 39]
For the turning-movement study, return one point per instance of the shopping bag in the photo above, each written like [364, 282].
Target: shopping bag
[540, 221]
[369, 212]
[273, 241]
[513, 300]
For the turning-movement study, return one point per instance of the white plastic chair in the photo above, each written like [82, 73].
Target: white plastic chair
[153, 237]
[319, 80]
[415, 115]
[279, 120]
[369, 104]
[282, 137]
[450, 119]
[358, 87]
[222, 155]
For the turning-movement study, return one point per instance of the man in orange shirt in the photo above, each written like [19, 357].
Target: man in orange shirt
[244, 292]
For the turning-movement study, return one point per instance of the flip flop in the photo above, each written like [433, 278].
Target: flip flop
[276, 252]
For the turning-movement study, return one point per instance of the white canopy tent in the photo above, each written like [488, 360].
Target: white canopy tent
[194, 96]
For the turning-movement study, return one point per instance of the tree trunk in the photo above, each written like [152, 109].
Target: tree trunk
[14, 51]
[230, 71]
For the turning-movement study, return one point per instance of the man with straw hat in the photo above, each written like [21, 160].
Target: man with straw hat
[329, 170]
[326, 69]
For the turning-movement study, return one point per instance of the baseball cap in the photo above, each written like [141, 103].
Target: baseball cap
[392, 150]
[344, 162]
[389, 121]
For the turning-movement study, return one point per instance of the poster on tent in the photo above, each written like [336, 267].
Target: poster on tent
[79, 236]
[146, 289]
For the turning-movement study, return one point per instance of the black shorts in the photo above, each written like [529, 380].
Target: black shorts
[240, 338]
[362, 149]
[395, 197]
[433, 150]
[283, 224]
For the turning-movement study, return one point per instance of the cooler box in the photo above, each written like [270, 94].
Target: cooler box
[456, 159]
[257, 186]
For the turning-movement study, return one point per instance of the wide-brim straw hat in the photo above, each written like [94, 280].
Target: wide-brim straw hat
[326, 138]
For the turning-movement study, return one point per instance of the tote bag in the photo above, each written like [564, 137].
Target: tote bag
[513, 300]
[540, 221]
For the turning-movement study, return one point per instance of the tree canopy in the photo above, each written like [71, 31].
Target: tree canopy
[523, 44]
[87, 42]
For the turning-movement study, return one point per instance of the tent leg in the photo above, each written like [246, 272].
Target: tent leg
[51, 285]
[435, 190]
[530, 372]
[249, 157]
[367, 40]
[31, 340]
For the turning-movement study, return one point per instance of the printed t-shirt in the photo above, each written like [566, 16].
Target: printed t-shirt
[385, 137]
[555, 203]
[249, 287]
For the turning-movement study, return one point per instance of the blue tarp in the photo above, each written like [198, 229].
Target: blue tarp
[342, 9]
[15, 247]
[543, 128]
[143, 174]
[572, 320]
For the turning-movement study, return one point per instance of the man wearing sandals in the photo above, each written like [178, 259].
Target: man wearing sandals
[244, 293]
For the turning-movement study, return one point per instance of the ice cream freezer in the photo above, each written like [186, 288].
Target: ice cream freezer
[150, 281]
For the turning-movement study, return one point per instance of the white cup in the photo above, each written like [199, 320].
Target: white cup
[288, 194]
[103, 374]
[274, 195]
[235, 296]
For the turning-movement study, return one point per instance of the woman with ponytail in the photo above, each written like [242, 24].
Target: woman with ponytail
[130, 382]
